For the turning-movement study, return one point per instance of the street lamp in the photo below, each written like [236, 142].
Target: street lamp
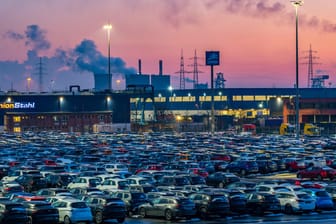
[297, 4]
[108, 28]
[28, 83]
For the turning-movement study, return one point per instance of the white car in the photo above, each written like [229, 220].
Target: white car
[72, 210]
[292, 202]
[114, 167]
[84, 182]
[113, 184]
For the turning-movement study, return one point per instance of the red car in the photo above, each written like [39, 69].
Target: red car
[199, 171]
[315, 172]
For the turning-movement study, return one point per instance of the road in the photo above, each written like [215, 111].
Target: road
[327, 217]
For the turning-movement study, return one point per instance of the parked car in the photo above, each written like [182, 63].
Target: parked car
[242, 167]
[260, 202]
[132, 200]
[323, 200]
[11, 187]
[72, 210]
[319, 173]
[41, 212]
[49, 192]
[221, 179]
[331, 189]
[113, 184]
[83, 182]
[293, 202]
[104, 207]
[210, 203]
[13, 213]
[169, 207]
[31, 182]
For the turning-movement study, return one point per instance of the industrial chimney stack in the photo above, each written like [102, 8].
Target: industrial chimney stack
[139, 66]
[160, 68]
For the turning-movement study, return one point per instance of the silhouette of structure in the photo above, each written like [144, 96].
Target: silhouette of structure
[220, 81]
[40, 71]
[311, 57]
[195, 70]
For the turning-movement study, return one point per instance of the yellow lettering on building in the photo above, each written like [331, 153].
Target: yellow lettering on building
[6, 105]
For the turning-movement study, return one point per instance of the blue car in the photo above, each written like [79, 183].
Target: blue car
[322, 198]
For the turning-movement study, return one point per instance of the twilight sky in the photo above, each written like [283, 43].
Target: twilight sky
[256, 39]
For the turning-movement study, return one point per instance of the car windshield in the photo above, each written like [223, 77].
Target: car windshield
[303, 196]
[138, 196]
[321, 194]
[78, 205]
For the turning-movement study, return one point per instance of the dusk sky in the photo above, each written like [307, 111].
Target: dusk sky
[256, 39]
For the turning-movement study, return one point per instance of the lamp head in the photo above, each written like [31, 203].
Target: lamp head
[107, 27]
[297, 3]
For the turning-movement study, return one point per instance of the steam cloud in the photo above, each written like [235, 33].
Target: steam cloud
[64, 66]
[86, 57]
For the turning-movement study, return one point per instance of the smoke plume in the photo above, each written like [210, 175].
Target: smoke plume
[64, 68]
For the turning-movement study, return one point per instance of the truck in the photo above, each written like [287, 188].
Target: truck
[287, 129]
[311, 130]
[308, 129]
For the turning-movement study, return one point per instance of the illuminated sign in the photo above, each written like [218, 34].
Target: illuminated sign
[17, 105]
[212, 58]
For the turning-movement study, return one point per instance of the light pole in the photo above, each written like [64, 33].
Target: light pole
[108, 28]
[28, 83]
[297, 4]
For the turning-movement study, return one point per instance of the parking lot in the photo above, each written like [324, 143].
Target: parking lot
[159, 177]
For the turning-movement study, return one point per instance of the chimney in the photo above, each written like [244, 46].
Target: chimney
[160, 67]
[139, 66]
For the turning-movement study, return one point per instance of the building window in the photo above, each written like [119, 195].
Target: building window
[17, 119]
[248, 98]
[237, 98]
[17, 129]
[260, 98]
[101, 118]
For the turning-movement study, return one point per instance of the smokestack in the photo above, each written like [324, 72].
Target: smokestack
[139, 66]
[160, 67]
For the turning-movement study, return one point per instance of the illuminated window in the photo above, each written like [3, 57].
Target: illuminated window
[248, 98]
[220, 98]
[177, 99]
[260, 98]
[160, 99]
[17, 129]
[205, 98]
[237, 98]
[188, 98]
[17, 119]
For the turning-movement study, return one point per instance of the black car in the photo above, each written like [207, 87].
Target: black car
[237, 200]
[13, 213]
[177, 181]
[242, 167]
[259, 203]
[221, 179]
[210, 203]
[104, 207]
[266, 166]
[58, 180]
[41, 212]
[31, 182]
[132, 200]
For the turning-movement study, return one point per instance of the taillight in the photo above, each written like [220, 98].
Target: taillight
[324, 173]
[177, 205]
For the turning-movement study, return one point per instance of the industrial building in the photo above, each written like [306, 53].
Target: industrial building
[178, 110]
